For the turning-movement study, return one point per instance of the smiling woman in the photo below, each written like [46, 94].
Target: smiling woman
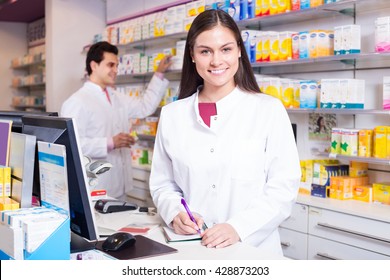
[224, 147]
[216, 57]
[230, 45]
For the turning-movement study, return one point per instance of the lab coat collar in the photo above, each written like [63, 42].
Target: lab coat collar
[224, 106]
[97, 88]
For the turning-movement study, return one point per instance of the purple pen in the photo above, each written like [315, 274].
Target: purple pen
[189, 213]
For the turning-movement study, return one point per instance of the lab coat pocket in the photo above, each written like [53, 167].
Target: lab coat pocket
[248, 160]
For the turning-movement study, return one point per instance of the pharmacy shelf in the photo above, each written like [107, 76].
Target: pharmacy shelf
[332, 63]
[327, 10]
[154, 42]
[32, 86]
[171, 75]
[346, 7]
[339, 111]
[145, 137]
[372, 160]
[37, 107]
[26, 66]
[374, 211]
[360, 61]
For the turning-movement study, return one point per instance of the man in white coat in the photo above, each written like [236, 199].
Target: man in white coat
[102, 115]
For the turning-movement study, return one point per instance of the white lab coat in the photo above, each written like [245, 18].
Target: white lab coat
[97, 120]
[243, 170]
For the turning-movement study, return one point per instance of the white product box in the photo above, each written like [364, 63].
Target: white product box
[304, 43]
[308, 94]
[338, 40]
[352, 92]
[37, 230]
[382, 34]
[351, 38]
[386, 93]
[250, 42]
[180, 46]
[330, 93]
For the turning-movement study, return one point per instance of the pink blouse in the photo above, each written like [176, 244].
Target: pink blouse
[206, 110]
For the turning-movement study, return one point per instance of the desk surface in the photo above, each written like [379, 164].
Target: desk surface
[189, 250]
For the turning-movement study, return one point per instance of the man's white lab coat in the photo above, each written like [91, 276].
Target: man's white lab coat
[98, 120]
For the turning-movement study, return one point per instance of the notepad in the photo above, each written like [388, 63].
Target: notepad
[171, 236]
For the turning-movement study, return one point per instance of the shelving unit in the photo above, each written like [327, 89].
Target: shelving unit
[144, 77]
[29, 82]
[320, 228]
[153, 42]
[340, 111]
[365, 213]
[345, 7]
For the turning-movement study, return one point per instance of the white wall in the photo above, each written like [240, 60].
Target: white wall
[13, 43]
[70, 25]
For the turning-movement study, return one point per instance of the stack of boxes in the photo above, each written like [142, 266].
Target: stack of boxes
[347, 39]
[6, 203]
[330, 179]
[342, 93]
[287, 90]
[361, 142]
[355, 186]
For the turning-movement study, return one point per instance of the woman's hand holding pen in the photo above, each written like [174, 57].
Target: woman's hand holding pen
[219, 236]
[182, 224]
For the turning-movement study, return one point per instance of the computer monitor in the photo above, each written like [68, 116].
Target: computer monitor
[16, 117]
[62, 131]
[294, 127]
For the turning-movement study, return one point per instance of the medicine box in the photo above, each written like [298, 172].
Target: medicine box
[362, 193]
[381, 193]
[341, 187]
[55, 247]
[380, 142]
[386, 93]
[335, 147]
[319, 190]
[365, 142]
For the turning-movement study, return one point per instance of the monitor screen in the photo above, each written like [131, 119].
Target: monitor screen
[16, 117]
[294, 127]
[62, 131]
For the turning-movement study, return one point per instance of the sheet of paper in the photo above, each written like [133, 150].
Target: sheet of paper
[53, 175]
[171, 236]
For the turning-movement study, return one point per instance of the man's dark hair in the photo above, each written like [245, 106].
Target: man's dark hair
[96, 53]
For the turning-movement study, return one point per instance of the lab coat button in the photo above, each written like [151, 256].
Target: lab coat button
[212, 150]
[213, 186]
[215, 118]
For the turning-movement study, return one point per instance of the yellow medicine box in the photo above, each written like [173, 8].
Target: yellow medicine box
[365, 143]
[381, 193]
[362, 193]
[380, 142]
[7, 203]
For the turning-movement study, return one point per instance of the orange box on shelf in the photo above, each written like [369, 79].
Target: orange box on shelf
[362, 193]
